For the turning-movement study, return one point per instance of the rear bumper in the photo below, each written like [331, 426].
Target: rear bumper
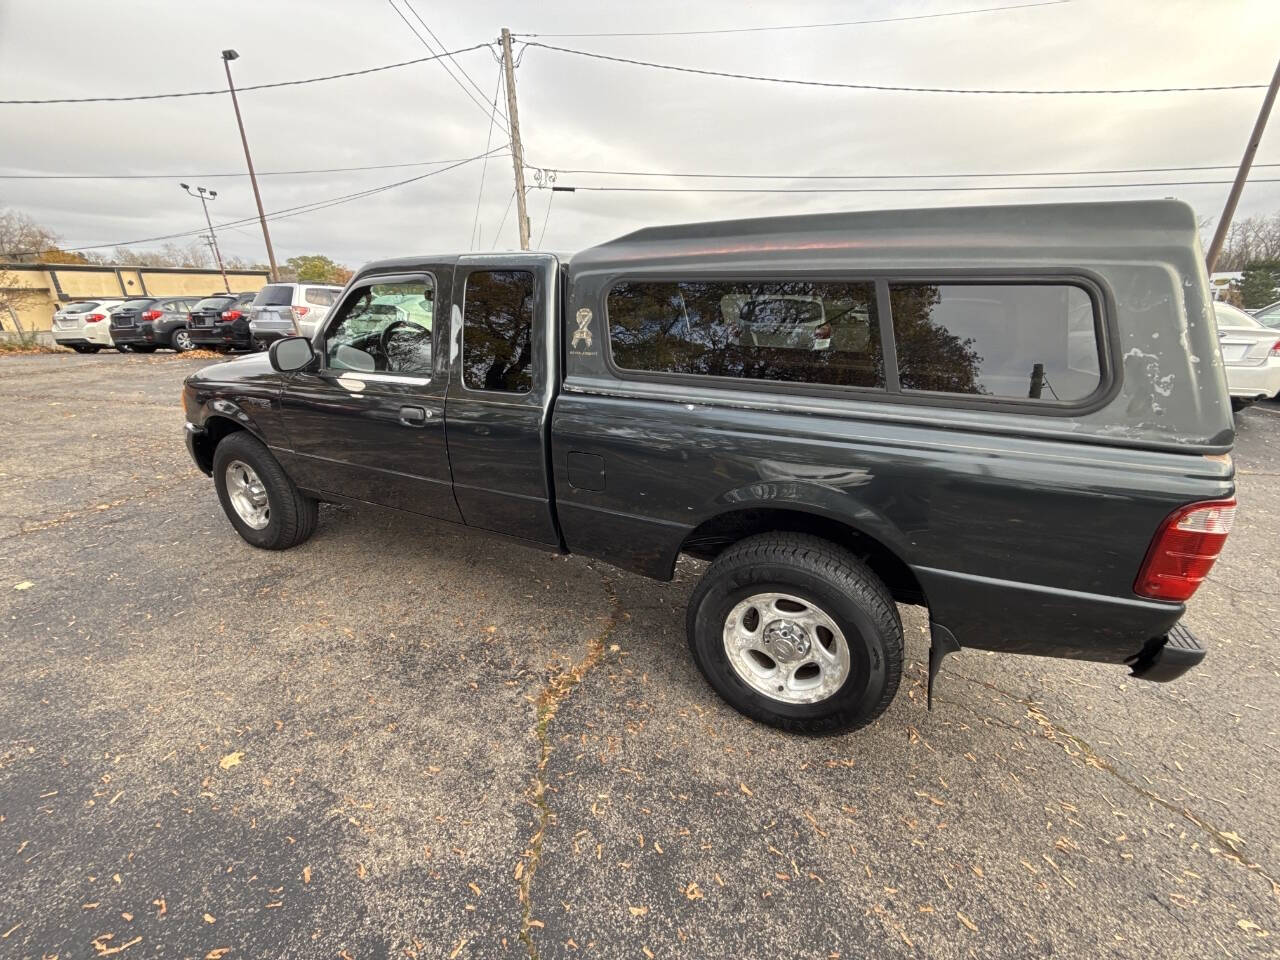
[124, 336]
[1169, 657]
[271, 330]
[94, 335]
[1254, 383]
[221, 335]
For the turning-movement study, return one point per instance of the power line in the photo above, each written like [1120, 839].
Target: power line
[546, 217]
[207, 176]
[892, 176]
[829, 84]
[497, 235]
[256, 86]
[431, 33]
[281, 214]
[439, 58]
[799, 26]
[1028, 186]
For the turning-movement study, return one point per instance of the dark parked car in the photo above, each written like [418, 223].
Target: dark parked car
[143, 324]
[1019, 421]
[221, 322]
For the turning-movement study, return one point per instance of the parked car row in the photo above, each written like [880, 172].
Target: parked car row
[222, 321]
[1250, 354]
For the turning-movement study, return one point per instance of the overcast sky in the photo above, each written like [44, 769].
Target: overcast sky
[581, 113]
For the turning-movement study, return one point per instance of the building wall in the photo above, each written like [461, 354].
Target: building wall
[40, 294]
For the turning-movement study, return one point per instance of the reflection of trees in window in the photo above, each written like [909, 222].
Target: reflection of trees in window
[929, 356]
[497, 338]
[791, 331]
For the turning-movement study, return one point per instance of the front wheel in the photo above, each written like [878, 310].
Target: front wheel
[798, 633]
[181, 341]
[258, 497]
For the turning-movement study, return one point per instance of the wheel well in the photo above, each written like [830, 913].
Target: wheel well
[712, 537]
[216, 429]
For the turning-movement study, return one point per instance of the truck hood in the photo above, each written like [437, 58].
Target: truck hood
[256, 366]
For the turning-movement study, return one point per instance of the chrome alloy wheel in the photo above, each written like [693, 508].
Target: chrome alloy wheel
[786, 648]
[247, 494]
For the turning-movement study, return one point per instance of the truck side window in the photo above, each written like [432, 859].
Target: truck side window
[1026, 341]
[384, 327]
[791, 331]
[497, 331]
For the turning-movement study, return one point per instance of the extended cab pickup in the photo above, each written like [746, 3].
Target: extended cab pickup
[1015, 416]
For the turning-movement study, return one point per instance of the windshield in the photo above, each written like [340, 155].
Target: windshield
[1229, 316]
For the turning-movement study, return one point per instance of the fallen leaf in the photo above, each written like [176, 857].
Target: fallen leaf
[210, 918]
[231, 760]
[24, 585]
[647, 952]
[361, 872]
[458, 949]
[745, 789]
[217, 953]
[306, 874]
[693, 891]
[475, 889]
[966, 921]
[638, 911]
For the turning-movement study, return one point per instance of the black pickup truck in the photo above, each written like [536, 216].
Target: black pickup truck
[1015, 416]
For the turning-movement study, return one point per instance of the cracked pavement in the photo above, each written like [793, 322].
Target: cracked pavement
[414, 741]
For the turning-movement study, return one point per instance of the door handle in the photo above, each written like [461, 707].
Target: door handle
[413, 416]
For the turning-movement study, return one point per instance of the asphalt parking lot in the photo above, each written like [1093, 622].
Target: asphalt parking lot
[403, 741]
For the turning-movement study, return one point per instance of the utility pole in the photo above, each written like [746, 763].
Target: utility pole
[1251, 148]
[227, 57]
[517, 151]
[212, 239]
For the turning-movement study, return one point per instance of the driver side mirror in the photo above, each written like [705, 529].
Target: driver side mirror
[291, 354]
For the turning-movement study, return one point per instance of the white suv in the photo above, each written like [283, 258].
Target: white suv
[286, 309]
[85, 325]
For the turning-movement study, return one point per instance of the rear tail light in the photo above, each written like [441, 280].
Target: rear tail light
[95, 317]
[152, 314]
[231, 315]
[1275, 349]
[1184, 549]
[300, 312]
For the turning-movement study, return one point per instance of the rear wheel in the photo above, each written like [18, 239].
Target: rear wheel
[181, 341]
[798, 633]
[259, 499]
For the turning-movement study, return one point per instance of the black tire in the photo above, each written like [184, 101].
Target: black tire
[123, 348]
[92, 348]
[1239, 403]
[292, 515]
[838, 584]
[180, 340]
[78, 347]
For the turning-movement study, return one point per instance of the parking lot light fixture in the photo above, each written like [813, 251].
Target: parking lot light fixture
[204, 197]
[227, 57]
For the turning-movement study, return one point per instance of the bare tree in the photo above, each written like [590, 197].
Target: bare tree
[1249, 241]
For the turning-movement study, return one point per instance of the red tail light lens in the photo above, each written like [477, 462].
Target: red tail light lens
[300, 312]
[1275, 349]
[231, 315]
[152, 314]
[1184, 549]
[95, 317]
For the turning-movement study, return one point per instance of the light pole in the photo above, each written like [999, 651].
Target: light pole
[227, 57]
[205, 196]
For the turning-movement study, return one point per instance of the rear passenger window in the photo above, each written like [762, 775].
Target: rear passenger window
[497, 331]
[1026, 341]
[791, 331]
[318, 297]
